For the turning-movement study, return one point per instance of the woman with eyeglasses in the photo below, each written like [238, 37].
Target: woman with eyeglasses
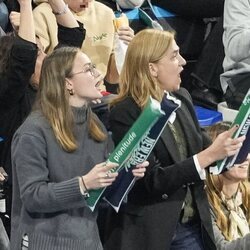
[58, 155]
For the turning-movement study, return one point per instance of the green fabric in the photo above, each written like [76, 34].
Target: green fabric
[188, 209]
[179, 138]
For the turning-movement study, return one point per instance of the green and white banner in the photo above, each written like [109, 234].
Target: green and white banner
[150, 115]
[243, 120]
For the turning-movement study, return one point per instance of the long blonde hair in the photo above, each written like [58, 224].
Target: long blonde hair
[53, 99]
[148, 46]
[214, 188]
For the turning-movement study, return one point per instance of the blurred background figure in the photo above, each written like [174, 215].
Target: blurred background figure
[236, 64]
[4, 15]
[229, 198]
[100, 33]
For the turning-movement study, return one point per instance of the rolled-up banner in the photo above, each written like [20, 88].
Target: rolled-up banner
[245, 149]
[123, 151]
[116, 193]
[243, 120]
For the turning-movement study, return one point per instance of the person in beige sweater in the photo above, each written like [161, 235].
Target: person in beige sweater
[98, 22]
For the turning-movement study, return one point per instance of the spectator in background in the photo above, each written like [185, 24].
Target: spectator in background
[99, 41]
[124, 4]
[192, 8]
[203, 82]
[17, 63]
[229, 198]
[184, 8]
[236, 64]
[168, 209]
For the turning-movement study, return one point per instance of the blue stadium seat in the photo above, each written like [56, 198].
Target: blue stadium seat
[207, 117]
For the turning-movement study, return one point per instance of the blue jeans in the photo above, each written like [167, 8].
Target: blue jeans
[187, 237]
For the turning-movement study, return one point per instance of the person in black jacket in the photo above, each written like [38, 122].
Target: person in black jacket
[17, 62]
[192, 8]
[168, 208]
[20, 64]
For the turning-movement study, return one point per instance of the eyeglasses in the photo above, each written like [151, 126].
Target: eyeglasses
[89, 68]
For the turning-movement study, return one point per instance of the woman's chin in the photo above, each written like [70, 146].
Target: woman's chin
[98, 96]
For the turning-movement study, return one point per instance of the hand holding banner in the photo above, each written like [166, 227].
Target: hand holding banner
[151, 113]
[243, 120]
[116, 193]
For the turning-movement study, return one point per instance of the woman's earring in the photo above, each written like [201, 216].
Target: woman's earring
[71, 92]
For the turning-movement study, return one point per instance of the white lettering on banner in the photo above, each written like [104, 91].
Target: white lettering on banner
[141, 153]
[124, 146]
[245, 127]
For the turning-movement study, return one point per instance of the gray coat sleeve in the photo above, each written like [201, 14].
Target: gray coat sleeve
[37, 191]
[236, 30]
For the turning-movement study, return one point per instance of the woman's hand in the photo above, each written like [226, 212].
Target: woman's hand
[222, 147]
[140, 169]
[126, 34]
[225, 146]
[15, 20]
[100, 176]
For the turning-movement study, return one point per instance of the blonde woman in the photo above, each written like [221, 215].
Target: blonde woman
[229, 198]
[168, 209]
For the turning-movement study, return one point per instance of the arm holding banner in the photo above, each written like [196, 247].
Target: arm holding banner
[161, 176]
[222, 147]
[166, 174]
[97, 176]
[127, 146]
[100, 175]
[116, 193]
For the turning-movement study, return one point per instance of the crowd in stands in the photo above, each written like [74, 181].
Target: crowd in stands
[57, 61]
